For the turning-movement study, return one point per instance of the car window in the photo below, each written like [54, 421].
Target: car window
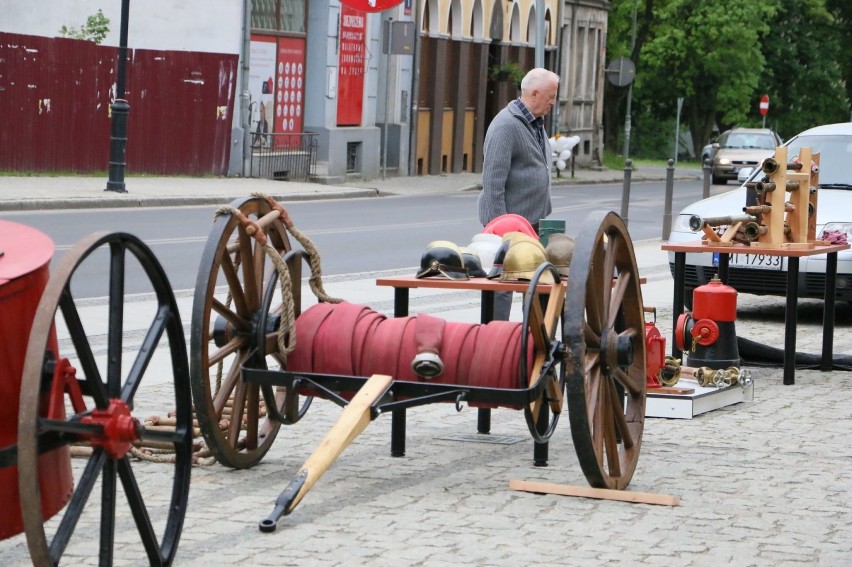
[835, 165]
[835, 156]
[750, 141]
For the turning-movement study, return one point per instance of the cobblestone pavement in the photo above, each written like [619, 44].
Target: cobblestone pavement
[761, 483]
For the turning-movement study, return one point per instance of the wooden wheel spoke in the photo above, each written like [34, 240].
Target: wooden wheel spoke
[618, 417]
[593, 300]
[633, 385]
[619, 288]
[233, 318]
[235, 288]
[237, 411]
[592, 338]
[236, 344]
[607, 274]
[223, 394]
[540, 337]
[248, 251]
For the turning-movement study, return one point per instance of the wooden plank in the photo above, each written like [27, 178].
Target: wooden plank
[599, 493]
[671, 390]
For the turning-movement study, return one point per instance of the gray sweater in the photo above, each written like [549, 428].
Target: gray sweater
[515, 172]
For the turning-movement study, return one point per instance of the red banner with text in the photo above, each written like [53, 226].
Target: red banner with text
[351, 66]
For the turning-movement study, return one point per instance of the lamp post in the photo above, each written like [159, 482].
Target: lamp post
[119, 111]
[627, 124]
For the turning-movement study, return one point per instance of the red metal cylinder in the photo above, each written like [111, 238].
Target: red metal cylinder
[715, 301]
[24, 263]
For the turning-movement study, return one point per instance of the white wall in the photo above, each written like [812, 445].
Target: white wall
[180, 25]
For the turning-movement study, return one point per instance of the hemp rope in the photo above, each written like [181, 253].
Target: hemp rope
[287, 324]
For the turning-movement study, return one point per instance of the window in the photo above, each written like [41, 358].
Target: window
[278, 15]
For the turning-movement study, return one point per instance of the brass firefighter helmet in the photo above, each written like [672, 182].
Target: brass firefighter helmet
[560, 250]
[442, 258]
[522, 260]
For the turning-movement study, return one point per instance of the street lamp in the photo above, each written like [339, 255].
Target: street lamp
[119, 111]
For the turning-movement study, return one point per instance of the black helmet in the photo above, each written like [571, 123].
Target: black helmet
[472, 263]
[497, 268]
[442, 258]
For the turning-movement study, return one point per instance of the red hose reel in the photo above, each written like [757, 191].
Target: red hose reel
[355, 340]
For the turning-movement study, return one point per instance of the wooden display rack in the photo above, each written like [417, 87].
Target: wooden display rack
[789, 226]
[774, 221]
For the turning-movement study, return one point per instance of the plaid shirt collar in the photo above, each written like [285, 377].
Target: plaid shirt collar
[525, 112]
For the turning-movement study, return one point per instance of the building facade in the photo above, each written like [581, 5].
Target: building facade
[416, 104]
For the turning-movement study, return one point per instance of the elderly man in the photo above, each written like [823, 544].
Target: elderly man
[516, 168]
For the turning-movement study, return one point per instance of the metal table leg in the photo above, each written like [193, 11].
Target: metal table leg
[791, 320]
[486, 315]
[828, 313]
[677, 306]
[400, 309]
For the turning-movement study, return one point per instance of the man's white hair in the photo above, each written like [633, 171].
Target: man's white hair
[537, 78]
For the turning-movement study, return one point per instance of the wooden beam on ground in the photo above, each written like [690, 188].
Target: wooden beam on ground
[599, 493]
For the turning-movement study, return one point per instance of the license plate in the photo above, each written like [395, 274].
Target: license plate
[753, 261]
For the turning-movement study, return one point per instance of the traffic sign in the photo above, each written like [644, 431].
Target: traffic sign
[764, 105]
[372, 5]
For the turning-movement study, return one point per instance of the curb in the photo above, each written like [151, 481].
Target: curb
[179, 201]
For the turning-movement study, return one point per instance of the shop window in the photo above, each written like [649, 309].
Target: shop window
[278, 15]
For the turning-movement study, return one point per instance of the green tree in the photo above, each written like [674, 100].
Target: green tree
[721, 56]
[803, 75]
[95, 29]
[709, 53]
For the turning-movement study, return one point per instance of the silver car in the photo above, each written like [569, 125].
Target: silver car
[739, 148]
[767, 275]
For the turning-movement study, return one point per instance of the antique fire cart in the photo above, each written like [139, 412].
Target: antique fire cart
[257, 359]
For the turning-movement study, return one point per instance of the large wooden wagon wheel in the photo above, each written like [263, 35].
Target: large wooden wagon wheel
[603, 331]
[79, 399]
[235, 316]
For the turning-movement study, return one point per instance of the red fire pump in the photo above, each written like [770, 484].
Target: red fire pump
[708, 334]
[655, 348]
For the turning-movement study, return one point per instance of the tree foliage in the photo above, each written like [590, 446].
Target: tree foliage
[722, 55]
[95, 29]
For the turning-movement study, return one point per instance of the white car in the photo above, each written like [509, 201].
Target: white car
[752, 273]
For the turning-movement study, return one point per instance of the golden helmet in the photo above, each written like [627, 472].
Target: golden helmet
[522, 260]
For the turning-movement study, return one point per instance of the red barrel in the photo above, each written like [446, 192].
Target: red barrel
[25, 255]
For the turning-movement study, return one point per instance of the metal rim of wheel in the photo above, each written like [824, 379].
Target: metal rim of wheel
[603, 330]
[234, 294]
[104, 390]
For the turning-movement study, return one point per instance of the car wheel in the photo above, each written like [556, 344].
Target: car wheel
[718, 180]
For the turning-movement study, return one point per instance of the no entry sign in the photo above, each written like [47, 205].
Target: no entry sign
[371, 5]
[764, 105]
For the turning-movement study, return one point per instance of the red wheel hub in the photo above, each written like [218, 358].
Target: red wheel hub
[120, 429]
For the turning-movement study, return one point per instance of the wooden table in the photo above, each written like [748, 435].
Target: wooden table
[791, 317]
[402, 285]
